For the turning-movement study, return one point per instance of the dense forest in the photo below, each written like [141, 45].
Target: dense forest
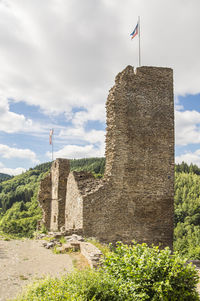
[187, 210]
[19, 209]
[4, 177]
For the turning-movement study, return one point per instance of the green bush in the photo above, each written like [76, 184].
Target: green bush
[80, 286]
[145, 273]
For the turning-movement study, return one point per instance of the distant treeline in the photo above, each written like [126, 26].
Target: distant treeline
[184, 167]
[4, 177]
[94, 165]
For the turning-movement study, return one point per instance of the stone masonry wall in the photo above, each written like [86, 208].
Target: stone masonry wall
[78, 184]
[44, 198]
[59, 173]
[52, 194]
[136, 200]
[74, 205]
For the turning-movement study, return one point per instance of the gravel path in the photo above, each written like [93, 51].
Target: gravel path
[21, 261]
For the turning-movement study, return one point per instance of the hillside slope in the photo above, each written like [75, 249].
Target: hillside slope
[187, 211]
[19, 210]
[4, 177]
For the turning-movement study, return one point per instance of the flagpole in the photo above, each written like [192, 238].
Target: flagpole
[139, 42]
[52, 144]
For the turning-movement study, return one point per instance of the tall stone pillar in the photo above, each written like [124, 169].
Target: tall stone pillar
[59, 173]
[136, 201]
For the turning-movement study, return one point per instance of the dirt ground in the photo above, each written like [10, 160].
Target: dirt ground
[23, 261]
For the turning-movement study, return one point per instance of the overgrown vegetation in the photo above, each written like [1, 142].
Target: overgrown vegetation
[134, 272]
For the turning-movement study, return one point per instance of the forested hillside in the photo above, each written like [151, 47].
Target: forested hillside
[94, 165]
[4, 177]
[187, 210]
[19, 209]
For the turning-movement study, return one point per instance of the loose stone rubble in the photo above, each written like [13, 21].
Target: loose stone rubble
[74, 243]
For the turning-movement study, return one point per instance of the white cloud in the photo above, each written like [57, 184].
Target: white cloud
[61, 55]
[190, 157]
[79, 133]
[64, 54]
[11, 152]
[187, 127]
[12, 171]
[93, 113]
[94, 140]
[11, 122]
[75, 151]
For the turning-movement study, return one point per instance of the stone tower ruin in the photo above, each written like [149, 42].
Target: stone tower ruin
[135, 198]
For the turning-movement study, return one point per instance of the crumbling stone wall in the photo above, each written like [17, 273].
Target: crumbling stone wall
[59, 173]
[78, 184]
[44, 198]
[52, 195]
[135, 198]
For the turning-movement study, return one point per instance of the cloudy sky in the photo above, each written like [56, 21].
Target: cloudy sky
[59, 58]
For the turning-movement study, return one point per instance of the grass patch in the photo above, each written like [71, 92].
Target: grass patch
[79, 261]
[22, 277]
[49, 239]
[62, 240]
[8, 237]
[55, 250]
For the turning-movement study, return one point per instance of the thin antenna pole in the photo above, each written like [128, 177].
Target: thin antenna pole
[139, 42]
[52, 143]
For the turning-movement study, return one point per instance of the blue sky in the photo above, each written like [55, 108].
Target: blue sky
[59, 59]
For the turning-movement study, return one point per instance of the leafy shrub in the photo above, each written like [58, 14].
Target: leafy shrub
[80, 286]
[145, 273]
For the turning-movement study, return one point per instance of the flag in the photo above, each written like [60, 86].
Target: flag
[135, 32]
[50, 136]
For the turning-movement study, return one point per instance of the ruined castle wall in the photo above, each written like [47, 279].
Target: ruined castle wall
[135, 198]
[137, 201]
[59, 173]
[44, 198]
[74, 205]
[78, 184]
